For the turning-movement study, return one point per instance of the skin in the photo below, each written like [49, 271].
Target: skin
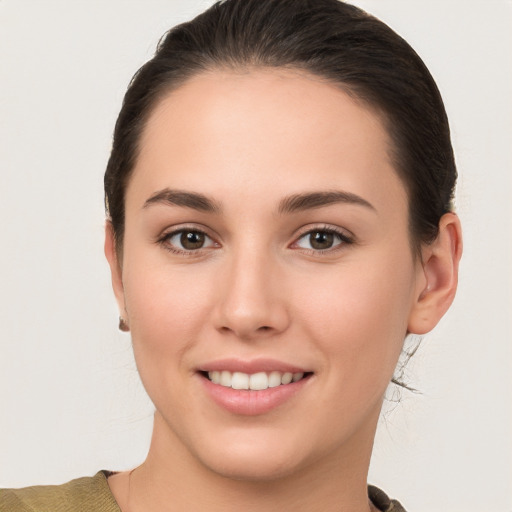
[248, 141]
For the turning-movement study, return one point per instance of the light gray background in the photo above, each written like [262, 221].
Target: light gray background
[70, 399]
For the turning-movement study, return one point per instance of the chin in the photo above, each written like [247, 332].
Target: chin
[253, 469]
[269, 458]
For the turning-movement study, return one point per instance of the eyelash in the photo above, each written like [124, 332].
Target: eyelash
[343, 238]
[164, 241]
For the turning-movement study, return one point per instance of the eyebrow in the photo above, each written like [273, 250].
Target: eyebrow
[311, 200]
[293, 203]
[192, 200]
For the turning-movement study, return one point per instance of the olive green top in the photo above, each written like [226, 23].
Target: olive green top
[92, 494]
[87, 494]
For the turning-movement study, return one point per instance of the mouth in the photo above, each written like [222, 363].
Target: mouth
[259, 381]
[254, 387]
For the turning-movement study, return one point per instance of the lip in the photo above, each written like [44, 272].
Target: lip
[253, 366]
[250, 402]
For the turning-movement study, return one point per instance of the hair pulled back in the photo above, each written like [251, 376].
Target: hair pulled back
[328, 38]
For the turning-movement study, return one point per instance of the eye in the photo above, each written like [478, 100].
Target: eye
[322, 240]
[186, 240]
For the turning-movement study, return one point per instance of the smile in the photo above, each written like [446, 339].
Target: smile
[252, 394]
[253, 387]
[256, 381]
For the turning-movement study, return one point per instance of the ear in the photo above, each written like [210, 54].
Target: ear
[115, 267]
[438, 276]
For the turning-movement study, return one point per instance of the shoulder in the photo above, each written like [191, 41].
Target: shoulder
[381, 500]
[87, 494]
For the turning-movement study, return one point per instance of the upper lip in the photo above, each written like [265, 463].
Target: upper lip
[252, 366]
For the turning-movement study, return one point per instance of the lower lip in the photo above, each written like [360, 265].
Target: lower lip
[252, 403]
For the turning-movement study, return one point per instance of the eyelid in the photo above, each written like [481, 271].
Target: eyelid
[346, 237]
[163, 239]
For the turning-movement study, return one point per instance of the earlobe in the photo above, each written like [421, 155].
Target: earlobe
[112, 256]
[439, 278]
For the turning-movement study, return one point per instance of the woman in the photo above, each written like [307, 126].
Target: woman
[279, 219]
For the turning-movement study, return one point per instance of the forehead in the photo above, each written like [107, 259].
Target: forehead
[264, 130]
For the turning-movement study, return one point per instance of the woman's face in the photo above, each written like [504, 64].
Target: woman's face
[266, 235]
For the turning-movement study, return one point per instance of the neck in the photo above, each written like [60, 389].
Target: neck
[171, 478]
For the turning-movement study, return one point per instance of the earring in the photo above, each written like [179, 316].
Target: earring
[123, 326]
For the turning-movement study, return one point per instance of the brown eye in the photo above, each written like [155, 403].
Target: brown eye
[321, 240]
[187, 240]
[192, 240]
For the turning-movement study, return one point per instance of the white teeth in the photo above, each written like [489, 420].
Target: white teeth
[225, 379]
[286, 378]
[240, 380]
[256, 381]
[274, 379]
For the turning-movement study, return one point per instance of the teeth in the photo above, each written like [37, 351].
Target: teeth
[225, 379]
[240, 380]
[256, 381]
[286, 378]
[274, 379]
[297, 376]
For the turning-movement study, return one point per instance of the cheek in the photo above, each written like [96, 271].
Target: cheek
[358, 315]
[167, 308]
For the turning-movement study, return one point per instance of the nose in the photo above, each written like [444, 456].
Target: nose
[251, 302]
